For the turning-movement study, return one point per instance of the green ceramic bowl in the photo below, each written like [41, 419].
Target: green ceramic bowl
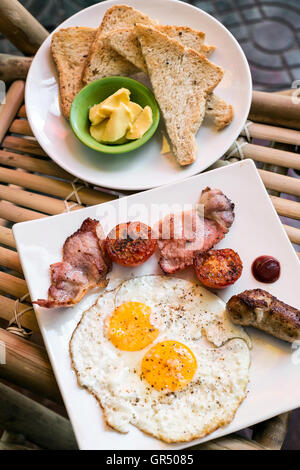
[98, 91]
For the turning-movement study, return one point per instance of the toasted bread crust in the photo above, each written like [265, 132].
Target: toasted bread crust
[69, 49]
[181, 78]
[221, 112]
[104, 61]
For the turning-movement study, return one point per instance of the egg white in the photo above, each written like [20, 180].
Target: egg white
[182, 311]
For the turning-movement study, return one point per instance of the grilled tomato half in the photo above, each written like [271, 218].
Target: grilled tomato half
[218, 268]
[131, 243]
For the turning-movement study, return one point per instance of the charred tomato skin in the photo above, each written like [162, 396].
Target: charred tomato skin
[131, 243]
[218, 269]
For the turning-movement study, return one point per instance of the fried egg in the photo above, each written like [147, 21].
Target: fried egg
[160, 353]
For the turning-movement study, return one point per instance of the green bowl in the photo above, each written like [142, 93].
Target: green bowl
[98, 91]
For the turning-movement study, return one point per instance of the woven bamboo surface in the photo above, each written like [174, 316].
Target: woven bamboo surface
[32, 186]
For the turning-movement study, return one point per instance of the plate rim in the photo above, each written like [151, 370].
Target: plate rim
[133, 187]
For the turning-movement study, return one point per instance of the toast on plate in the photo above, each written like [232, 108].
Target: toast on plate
[70, 48]
[103, 61]
[125, 42]
[220, 111]
[181, 79]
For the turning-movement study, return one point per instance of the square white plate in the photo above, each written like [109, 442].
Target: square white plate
[145, 167]
[274, 375]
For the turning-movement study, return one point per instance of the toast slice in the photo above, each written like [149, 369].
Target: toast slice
[125, 42]
[220, 112]
[103, 61]
[70, 48]
[181, 79]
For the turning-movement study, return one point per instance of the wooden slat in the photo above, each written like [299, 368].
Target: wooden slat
[20, 27]
[51, 186]
[293, 233]
[281, 183]
[6, 237]
[34, 164]
[14, 67]
[7, 308]
[278, 110]
[46, 204]
[20, 414]
[17, 214]
[273, 133]
[23, 145]
[22, 112]
[12, 285]
[21, 126]
[271, 433]
[286, 207]
[14, 98]
[271, 155]
[27, 365]
[10, 259]
[231, 442]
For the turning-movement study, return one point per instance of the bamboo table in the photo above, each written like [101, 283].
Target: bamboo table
[32, 186]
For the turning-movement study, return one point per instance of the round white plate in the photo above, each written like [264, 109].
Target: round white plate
[146, 167]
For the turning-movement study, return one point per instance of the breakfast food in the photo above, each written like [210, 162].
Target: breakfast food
[126, 43]
[218, 268]
[117, 119]
[266, 269]
[220, 111]
[262, 310]
[70, 48]
[182, 235]
[103, 61]
[84, 266]
[181, 79]
[83, 55]
[160, 353]
[131, 243]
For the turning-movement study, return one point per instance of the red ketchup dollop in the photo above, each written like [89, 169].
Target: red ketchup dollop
[266, 269]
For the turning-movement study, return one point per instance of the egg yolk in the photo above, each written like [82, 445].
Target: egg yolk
[169, 366]
[130, 328]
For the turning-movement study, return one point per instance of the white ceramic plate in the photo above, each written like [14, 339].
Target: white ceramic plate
[146, 167]
[274, 374]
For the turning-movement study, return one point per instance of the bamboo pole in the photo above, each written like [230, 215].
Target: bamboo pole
[27, 365]
[6, 237]
[21, 126]
[33, 164]
[271, 156]
[20, 27]
[280, 183]
[231, 442]
[10, 259]
[7, 446]
[40, 425]
[22, 112]
[51, 186]
[45, 204]
[278, 110]
[7, 308]
[14, 98]
[286, 207]
[293, 233]
[271, 433]
[18, 214]
[12, 285]
[14, 67]
[272, 133]
[23, 145]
